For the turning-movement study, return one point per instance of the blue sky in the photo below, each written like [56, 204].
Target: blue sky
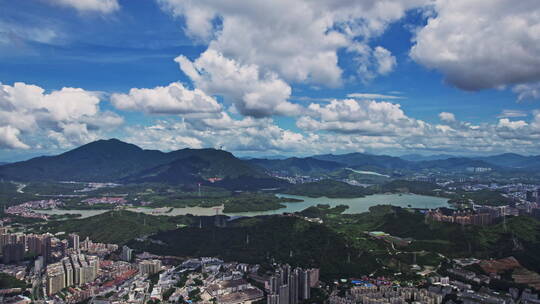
[271, 77]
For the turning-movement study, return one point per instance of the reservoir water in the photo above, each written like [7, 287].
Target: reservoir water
[356, 205]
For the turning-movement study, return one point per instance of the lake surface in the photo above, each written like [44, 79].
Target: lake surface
[367, 172]
[356, 205]
[83, 213]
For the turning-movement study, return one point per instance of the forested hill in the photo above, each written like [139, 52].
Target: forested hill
[116, 161]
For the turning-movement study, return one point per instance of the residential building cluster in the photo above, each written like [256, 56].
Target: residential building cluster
[96, 186]
[27, 209]
[483, 214]
[99, 249]
[532, 195]
[463, 217]
[289, 285]
[14, 246]
[219, 281]
[53, 263]
[479, 169]
[149, 267]
[294, 179]
[105, 200]
[374, 294]
[73, 270]
[435, 290]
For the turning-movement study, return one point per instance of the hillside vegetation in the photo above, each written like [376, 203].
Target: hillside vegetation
[255, 240]
[116, 161]
[328, 188]
[117, 227]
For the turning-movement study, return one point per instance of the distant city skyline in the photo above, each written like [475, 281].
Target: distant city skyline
[267, 78]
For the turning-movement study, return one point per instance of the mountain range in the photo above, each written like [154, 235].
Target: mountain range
[385, 164]
[419, 157]
[295, 165]
[508, 160]
[116, 161]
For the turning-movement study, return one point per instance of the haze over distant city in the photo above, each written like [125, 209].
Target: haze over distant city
[263, 78]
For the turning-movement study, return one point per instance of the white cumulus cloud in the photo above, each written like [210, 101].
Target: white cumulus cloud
[482, 44]
[285, 41]
[83, 6]
[527, 91]
[9, 138]
[253, 92]
[365, 117]
[447, 117]
[68, 116]
[171, 99]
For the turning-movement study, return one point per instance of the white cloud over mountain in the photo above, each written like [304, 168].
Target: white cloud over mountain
[244, 135]
[340, 126]
[67, 116]
[362, 117]
[256, 53]
[9, 138]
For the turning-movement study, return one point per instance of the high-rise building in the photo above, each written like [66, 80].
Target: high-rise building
[13, 253]
[272, 298]
[68, 270]
[4, 240]
[288, 286]
[293, 287]
[63, 246]
[274, 283]
[35, 243]
[73, 242]
[304, 286]
[529, 196]
[46, 248]
[91, 267]
[285, 271]
[284, 294]
[21, 239]
[77, 273]
[149, 267]
[313, 277]
[56, 280]
[126, 254]
[38, 264]
[10, 238]
[93, 261]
